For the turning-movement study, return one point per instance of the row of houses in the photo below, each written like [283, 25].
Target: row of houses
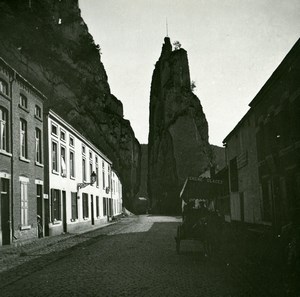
[263, 153]
[52, 179]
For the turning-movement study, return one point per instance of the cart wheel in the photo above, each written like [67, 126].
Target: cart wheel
[177, 238]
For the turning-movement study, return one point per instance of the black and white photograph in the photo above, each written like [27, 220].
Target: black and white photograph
[150, 148]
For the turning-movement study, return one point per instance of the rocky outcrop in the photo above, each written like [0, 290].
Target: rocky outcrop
[178, 133]
[48, 43]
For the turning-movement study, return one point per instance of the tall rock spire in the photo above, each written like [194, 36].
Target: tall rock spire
[178, 131]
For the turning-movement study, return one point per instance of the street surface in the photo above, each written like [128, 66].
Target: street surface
[134, 257]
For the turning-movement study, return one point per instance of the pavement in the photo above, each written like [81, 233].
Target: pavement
[253, 259]
[20, 252]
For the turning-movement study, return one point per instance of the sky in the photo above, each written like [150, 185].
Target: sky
[233, 48]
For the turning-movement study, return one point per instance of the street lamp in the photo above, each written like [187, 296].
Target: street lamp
[93, 180]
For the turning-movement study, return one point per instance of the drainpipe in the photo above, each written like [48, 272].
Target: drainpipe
[12, 158]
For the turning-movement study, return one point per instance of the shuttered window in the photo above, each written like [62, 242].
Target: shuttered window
[24, 204]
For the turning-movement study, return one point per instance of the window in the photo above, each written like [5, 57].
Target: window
[3, 129]
[23, 139]
[91, 155]
[3, 87]
[24, 204]
[97, 206]
[91, 171]
[103, 175]
[97, 177]
[72, 165]
[62, 135]
[85, 205]
[71, 141]
[38, 145]
[109, 177]
[23, 101]
[83, 150]
[63, 161]
[74, 205]
[38, 111]
[55, 205]
[83, 170]
[54, 157]
[54, 129]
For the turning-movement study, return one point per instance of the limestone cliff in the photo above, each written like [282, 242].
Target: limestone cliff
[178, 131]
[48, 42]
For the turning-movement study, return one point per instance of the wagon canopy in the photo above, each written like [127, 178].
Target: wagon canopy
[201, 188]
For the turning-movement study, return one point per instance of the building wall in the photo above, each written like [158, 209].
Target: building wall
[116, 194]
[62, 181]
[266, 189]
[5, 162]
[245, 196]
[26, 169]
[277, 117]
[22, 172]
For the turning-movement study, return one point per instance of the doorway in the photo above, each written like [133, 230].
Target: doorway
[39, 210]
[64, 211]
[5, 215]
[92, 210]
[242, 209]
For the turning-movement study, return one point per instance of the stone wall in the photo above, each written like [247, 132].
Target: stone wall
[48, 43]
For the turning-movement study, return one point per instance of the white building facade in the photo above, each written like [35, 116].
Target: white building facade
[116, 191]
[78, 180]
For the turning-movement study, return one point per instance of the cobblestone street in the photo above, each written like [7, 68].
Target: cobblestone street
[134, 257]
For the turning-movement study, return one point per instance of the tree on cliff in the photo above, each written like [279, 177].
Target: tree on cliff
[177, 45]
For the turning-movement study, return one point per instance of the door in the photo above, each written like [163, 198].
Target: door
[92, 210]
[64, 211]
[242, 211]
[39, 210]
[5, 216]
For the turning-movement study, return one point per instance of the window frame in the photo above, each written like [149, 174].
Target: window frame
[38, 146]
[4, 87]
[56, 129]
[55, 170]
[62, 135]
[4, 129]
[23, 101]
[63, 161]
[38, 111]
[84, 169]
[24, 203]
[23, 139]
[72, 164]
[71, 141]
